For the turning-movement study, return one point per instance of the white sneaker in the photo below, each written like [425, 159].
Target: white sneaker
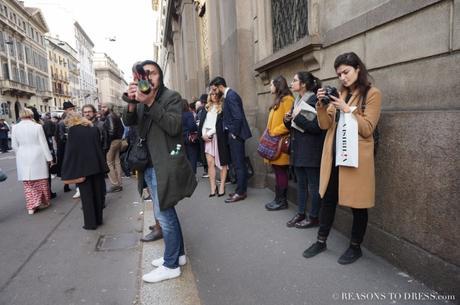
[160, 274]
[77, 194]
[159, 261]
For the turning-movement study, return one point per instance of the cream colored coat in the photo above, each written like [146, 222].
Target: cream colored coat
[356, 185]
[32, 152]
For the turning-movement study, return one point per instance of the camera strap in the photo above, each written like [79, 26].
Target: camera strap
[145, 127]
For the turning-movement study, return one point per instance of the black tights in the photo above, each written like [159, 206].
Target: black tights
[327, 212]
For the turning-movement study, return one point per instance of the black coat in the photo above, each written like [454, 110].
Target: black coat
[306, 147]
[83, 154]
[222, 139]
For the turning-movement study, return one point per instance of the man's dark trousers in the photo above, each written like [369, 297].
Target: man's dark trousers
[237, 154]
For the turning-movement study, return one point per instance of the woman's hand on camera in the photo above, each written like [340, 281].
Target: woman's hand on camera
[320, 94]
[339, 104]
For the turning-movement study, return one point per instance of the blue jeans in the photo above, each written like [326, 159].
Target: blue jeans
[172, 232]
[308, 176]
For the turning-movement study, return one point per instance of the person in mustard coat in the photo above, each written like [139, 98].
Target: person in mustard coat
[282, 104]
[348, 186]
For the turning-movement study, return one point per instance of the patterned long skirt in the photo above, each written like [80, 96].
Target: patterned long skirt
[36, 192]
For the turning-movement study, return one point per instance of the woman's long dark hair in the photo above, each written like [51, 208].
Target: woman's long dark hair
[351, 59]
[282, 90]
[311, 82]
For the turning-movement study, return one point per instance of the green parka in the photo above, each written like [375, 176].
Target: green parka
[174, 173]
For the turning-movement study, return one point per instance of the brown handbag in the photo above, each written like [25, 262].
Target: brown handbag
[285, 144]
[75, 181]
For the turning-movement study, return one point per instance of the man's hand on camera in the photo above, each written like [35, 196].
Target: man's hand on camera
[132, 88]
[146, 99]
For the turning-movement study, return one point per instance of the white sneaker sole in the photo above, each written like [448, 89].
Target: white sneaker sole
[159, 278]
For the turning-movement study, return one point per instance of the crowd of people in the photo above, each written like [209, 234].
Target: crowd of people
[176, 135]
[80, 148]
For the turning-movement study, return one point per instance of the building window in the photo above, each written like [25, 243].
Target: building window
[20, 51]
[289, 21]
[6, 71]
[4, 109]
[28, 61]
[2, 42]
[30, 75]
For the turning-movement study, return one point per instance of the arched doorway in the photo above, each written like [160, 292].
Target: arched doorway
[17, 108]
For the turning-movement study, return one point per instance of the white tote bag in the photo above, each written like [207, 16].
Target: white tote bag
[346, 145]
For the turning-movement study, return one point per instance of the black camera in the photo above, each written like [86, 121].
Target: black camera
[330, 91]
[143, 82]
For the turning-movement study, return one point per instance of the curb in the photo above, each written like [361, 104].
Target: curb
[179, 291]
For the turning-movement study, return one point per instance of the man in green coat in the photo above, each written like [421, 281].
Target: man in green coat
[168, 174]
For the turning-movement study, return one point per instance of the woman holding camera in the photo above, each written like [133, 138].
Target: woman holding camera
[282, 104]
[347, 186]
[306, 146]
[211, 130]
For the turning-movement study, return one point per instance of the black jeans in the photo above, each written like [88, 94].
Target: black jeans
[4, 145]
[327, 212]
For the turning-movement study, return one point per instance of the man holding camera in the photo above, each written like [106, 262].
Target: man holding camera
[155, 108]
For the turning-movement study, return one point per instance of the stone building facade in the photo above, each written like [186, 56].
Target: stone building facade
[411, 49]
[85, 51]
[24, 75]
[110, 81]
[62, 65]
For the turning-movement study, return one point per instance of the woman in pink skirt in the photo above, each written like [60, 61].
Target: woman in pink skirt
[32, 160]
[211, 130]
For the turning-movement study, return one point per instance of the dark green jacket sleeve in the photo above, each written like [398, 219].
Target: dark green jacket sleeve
[167, 113]
[130, 118]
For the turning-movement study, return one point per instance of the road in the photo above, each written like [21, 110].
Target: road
[47, 258]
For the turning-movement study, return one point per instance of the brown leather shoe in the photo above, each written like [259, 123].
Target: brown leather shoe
[307, 223]
[152, 236]
[235, 198]
[297, 218]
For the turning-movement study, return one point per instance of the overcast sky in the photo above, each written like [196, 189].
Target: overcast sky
[131, 22]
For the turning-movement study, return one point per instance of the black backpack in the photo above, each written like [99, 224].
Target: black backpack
[376, 133]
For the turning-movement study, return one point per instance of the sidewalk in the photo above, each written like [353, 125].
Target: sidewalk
[241, 254]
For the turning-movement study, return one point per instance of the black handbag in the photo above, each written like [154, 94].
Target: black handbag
[137, 155]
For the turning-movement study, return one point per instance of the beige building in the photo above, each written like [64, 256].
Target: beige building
[110, 80]
[63, 67]
[24, 78]
[412, 51]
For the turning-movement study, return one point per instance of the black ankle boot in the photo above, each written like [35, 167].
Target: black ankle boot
[350, 255]
[279, 204]
[315, 249]
[274, 202]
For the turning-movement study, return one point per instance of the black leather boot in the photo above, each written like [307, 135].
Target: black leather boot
[281, 203]
[269, 205]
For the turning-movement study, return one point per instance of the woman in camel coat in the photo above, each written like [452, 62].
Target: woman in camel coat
[282, 104]
[348, 186]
